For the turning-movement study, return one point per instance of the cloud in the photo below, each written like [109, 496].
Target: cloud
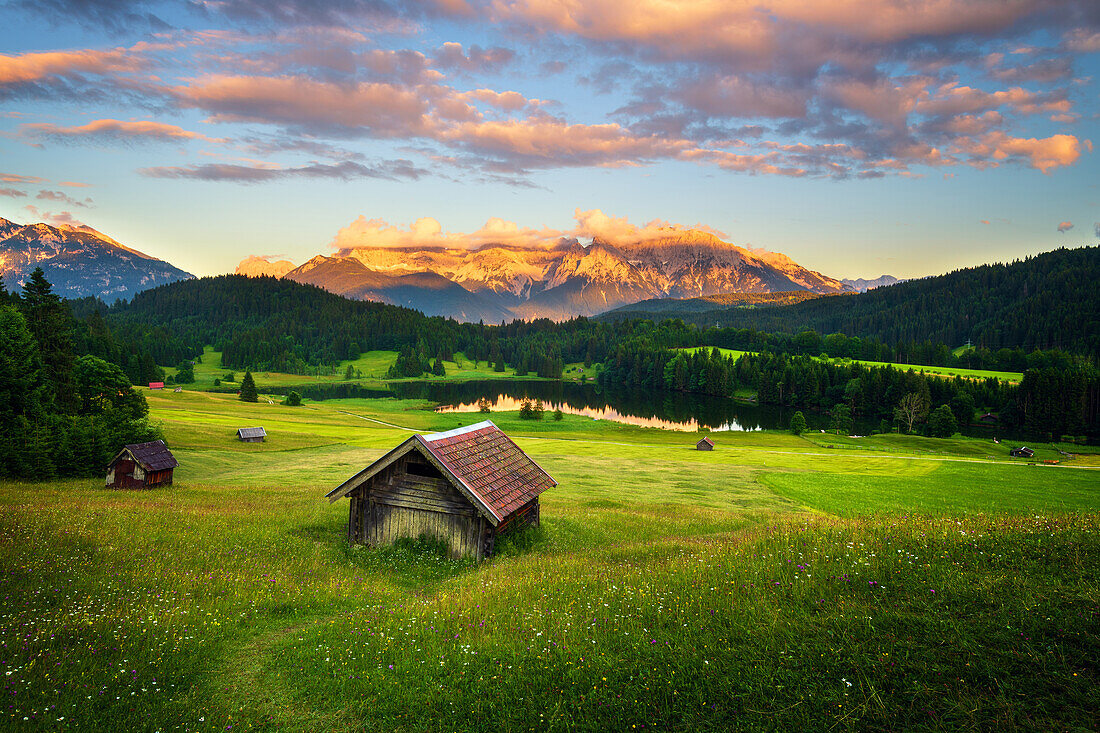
[1044, 154]
[257, 265]
[108, 130]
[363, 108]
[427, 232]
[15, 178]
[61, 218]
[985, 221]
[452, 57]
[344, 171]
[45, 195]
[1096, 228]
[113, 15]
[1065, 226]
[31, 67]
[12, 193]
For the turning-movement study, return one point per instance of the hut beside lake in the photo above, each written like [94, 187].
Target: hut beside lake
[141, 466]
[465, 487]
[251, 435]
[705, 444]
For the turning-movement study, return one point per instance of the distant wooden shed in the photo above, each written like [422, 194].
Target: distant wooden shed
[1022, 452]
[705, 444]
[141, 466]
[251, 435]
[463, 486]
[156, 385]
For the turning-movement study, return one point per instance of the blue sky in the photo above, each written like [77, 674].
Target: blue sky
[859, 138]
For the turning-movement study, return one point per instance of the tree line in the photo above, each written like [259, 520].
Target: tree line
[62, 412]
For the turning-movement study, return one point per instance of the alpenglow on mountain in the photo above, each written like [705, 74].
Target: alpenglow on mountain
[79, 261]
[500, 282]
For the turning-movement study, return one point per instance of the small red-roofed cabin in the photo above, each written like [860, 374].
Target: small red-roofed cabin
[465, 487]
[705, 444]
[141, 466]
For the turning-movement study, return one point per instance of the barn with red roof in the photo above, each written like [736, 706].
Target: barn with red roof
[464, 486]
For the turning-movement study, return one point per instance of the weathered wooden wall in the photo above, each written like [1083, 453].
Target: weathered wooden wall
[411, 498]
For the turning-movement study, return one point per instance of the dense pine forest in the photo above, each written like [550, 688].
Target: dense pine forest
[63, 412]
[1048, 301]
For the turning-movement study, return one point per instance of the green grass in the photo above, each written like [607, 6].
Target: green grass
[886, 583]
[942, 371]
[371, 367]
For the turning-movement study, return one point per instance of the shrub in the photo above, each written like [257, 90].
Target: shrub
[798, 423]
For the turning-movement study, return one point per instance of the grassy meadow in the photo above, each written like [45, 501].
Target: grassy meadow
[777, 583]
[370, 367]
[938, 370]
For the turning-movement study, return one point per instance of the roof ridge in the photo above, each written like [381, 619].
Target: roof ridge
[432, 437]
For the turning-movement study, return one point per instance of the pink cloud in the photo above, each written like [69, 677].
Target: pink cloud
[1065, 226]
[12, 193]
[1044, 154]
[384, 110]
[29, 67]
[115, 129]
[15, 178]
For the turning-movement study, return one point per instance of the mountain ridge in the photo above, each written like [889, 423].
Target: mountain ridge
[559, 281]
[79, 261]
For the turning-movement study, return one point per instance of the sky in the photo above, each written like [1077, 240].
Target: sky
[859, 138]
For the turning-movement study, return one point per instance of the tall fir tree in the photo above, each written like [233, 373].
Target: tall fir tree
[248, 388]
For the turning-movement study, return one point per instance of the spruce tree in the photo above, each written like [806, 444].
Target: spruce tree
[798, 423]
[248, 388]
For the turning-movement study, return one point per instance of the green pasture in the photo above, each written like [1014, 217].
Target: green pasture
[777, 583]
[942, 371]
[370, 367]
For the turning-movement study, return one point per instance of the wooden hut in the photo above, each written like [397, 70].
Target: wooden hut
[141, 466]
[251, 435]
[156, 385]
[464, 486]
[1023, 452]
[705, 444]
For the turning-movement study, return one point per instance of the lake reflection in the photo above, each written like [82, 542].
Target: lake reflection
[506, 403]
[668, 410]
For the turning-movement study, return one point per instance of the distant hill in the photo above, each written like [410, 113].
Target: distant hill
[862, 286]
[560, 280]
[79, 261]
[1047, 301]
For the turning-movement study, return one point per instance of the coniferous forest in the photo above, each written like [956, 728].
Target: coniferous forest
[1048, 301]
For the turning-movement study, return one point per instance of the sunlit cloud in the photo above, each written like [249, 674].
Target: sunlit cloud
[1065, 226]
[108, 130]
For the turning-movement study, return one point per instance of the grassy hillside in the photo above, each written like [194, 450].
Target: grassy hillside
[890, 583]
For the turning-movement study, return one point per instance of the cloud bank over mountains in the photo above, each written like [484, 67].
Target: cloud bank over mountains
[792, 88]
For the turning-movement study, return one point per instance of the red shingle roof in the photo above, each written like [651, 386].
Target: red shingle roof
[491, 466]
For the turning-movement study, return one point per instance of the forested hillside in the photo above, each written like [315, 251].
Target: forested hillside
[1049, 301]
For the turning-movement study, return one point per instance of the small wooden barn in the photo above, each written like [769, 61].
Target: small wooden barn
[705, 444]
[251, 435]
[141, 466]
[464, 486]
[1023, 452]
[156, 385]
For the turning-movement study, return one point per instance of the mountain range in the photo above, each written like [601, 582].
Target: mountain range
[498, 282]
[79, 261]
[861, 285]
